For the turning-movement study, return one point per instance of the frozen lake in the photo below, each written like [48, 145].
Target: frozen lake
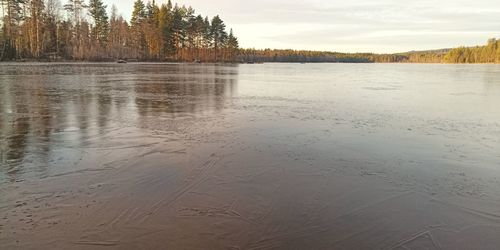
[271, 156]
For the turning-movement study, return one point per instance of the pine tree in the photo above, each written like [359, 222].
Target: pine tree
[139, 12]
[178, 30]
[138, 40]
[218, 34]
[100, 30]
[52, 23]
[165, 28]
[232, 45]
[12, 16]
[37, 29]
[75, 9]
[36, 23]
[207, 33]
[151, 31]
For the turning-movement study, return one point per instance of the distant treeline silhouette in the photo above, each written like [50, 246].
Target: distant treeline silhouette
[82, 30]
[298, 56]
[305, 56]
[489, 53]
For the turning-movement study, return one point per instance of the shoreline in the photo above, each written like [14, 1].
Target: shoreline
[227, 63]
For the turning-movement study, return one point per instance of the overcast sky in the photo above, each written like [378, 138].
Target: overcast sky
[352, 25]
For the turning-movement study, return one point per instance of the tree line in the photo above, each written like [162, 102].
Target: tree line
[80, 30]
[299, 56]
[306, 56]
[490, 53]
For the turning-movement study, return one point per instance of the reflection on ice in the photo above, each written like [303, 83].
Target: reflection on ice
[45, 106]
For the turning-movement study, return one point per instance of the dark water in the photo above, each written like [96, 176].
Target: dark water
[315, 156]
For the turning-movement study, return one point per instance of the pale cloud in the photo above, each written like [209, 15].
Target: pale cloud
[355, 25]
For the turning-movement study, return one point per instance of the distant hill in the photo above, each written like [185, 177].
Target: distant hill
[435, 51]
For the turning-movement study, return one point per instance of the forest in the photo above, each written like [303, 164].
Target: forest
[80, 30]
[50, 30]
[303, 56]
[489, 53]
[300, 56]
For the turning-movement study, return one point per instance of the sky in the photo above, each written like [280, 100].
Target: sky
[380, 26]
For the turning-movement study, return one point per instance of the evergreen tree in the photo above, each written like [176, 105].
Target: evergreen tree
[232, 45]
[139, 12]
[207, 33]
[165, 28]
[35, 25]
[100, 30]
[218, 34]
[138, 39]
[75, 9]
[178, 29]
[36, 29]
[52, 23]
[12, 16]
